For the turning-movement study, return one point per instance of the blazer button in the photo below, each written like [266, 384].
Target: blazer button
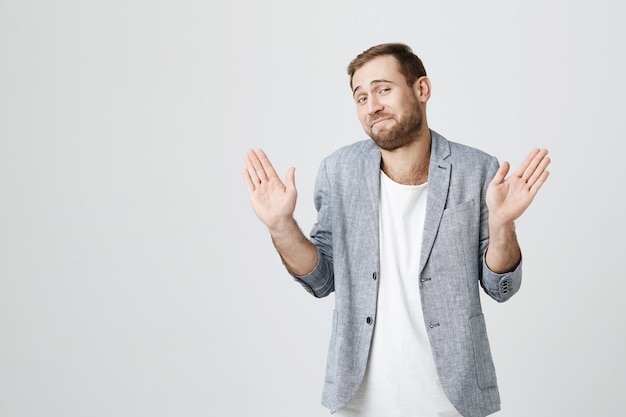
[368, 320]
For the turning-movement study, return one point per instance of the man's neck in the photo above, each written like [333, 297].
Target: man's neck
[408, 165]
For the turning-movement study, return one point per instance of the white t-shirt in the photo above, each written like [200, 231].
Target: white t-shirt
[401, 377]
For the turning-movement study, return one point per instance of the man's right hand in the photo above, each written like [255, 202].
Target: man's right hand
[273, 201]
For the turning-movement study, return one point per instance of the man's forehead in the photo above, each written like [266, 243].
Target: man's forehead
[380, 68]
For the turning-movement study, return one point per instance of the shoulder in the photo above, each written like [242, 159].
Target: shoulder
[360, 149]
[351, 156]
[458, 153]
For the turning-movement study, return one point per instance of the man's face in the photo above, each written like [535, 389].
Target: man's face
[387, 107]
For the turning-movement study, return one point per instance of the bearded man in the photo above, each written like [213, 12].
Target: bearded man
[410, 227]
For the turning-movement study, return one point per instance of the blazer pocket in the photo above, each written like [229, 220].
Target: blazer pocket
[485, 370]
[459, 222]
[467, 205]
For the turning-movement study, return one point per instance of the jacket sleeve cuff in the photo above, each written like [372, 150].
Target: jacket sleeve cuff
[320, 281]
[501, 287]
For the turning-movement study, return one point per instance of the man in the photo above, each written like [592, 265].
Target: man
[409, 226]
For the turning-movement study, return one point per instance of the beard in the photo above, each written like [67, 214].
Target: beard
[403, 132]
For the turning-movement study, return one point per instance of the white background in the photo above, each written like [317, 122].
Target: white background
[135, 279]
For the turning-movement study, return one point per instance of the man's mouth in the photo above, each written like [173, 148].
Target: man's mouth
[380, 119]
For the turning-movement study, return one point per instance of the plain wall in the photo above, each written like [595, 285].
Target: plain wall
[135, 279]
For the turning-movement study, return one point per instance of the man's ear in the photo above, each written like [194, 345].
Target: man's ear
[421, 89]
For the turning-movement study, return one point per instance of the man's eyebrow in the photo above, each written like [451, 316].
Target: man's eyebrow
[372, 83]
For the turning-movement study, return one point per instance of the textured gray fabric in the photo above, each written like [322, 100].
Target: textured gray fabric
[452, 269]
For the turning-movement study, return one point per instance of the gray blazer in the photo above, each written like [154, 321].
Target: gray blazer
[452, 267]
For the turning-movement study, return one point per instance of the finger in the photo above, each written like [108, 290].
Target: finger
[521, 169]
[254, 157]
[539, 170]
[268, 168]
[501, 173]
[540, 181]
[534, 163]
[250, 167]
[290, 178]
[248, 180]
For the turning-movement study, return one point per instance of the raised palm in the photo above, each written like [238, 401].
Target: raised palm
[507, 199]
[273, 201]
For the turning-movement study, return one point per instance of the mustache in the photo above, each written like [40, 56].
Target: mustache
[373, 119]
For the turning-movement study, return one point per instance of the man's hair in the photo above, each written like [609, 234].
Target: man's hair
[410, 64]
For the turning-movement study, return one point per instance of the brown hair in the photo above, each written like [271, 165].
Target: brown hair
[410, 64]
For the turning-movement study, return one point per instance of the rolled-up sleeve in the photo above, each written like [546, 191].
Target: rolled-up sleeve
[501, 287]
[320, 281]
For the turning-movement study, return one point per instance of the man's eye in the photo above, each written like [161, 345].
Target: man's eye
[384, 90]
[361, 100]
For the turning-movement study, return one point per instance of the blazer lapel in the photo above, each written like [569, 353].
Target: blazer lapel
[438, 184]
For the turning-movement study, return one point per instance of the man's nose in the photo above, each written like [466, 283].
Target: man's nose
[374, 105]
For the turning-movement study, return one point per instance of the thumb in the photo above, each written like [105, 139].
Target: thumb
[290, 179]
[501, 173]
